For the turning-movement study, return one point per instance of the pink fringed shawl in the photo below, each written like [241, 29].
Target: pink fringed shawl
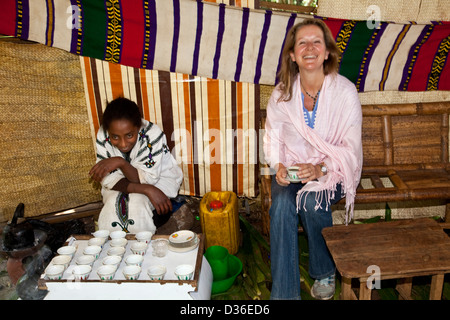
[335, 139]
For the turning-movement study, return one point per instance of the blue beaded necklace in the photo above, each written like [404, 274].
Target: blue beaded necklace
[310, 116]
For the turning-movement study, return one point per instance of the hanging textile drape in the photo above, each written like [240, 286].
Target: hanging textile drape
[228, 43]
[391, 56]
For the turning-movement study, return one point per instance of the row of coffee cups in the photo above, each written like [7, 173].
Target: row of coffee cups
[131, 272]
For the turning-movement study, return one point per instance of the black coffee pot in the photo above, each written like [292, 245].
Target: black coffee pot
[18, 235]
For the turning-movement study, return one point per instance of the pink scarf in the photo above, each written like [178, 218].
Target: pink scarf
[335, 139]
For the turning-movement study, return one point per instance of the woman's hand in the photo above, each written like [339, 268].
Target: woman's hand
[281, 175]
[102, 168]
[308, 172]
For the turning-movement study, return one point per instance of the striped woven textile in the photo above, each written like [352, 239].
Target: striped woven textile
[229, 43]
[211, 125]
[191, 37]
[391, 57]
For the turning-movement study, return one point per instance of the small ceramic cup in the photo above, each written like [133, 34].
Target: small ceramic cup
[63, 260]
[118, 242]
[116, 251]
[139, 248]
[112, 260]
[106, 272]
[160, 247]
[54, 271]
[131, 272]
[292, 173]
[156, 272]
[117, 234]
[81, 272]
[184, 272]
[92, 251]
[85, 260]
[144, 236]
[134, 260]
[97, 242]
[67, 250]
[101, 234]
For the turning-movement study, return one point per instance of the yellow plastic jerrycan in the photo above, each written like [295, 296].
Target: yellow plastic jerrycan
[219, 219]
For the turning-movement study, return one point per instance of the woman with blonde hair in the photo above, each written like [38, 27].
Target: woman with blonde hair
[313, 123]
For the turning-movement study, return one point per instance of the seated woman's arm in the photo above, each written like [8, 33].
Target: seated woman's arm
[105, 166]
[131, 184]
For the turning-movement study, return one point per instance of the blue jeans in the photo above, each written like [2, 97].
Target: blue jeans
[284, 252]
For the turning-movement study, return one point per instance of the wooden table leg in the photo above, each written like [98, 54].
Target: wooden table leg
[437, 282]
[346, 289]
[364, 292]
[404, 287]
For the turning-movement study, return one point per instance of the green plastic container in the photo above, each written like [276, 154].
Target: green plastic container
[234, 269]
[222, 281]
[217, 257]
[225, 268]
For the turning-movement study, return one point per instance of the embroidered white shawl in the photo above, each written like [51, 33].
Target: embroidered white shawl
[335, 139]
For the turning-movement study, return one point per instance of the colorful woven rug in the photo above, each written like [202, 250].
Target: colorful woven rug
[228, 43]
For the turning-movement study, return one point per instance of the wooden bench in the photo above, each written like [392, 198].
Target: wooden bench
[406, 156]
[400, 249]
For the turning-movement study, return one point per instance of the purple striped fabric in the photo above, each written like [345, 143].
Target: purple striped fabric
[50, 7]
[391, 52]
[176, 34]
[153, 30]
[369, 53]
[229, 43]
[25, 20]
[198, 36]
[75, 39]
[219, 40]
[262, 45]
[245, 16]
[411, 58]
[289, 25]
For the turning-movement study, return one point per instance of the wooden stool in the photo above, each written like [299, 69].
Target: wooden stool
[397, 250]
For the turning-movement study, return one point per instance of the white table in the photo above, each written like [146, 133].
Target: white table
[119, 288]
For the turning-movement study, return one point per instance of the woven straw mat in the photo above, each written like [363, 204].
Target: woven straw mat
[46, 138]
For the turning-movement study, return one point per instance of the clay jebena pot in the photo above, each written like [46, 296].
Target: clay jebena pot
[18, 235]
